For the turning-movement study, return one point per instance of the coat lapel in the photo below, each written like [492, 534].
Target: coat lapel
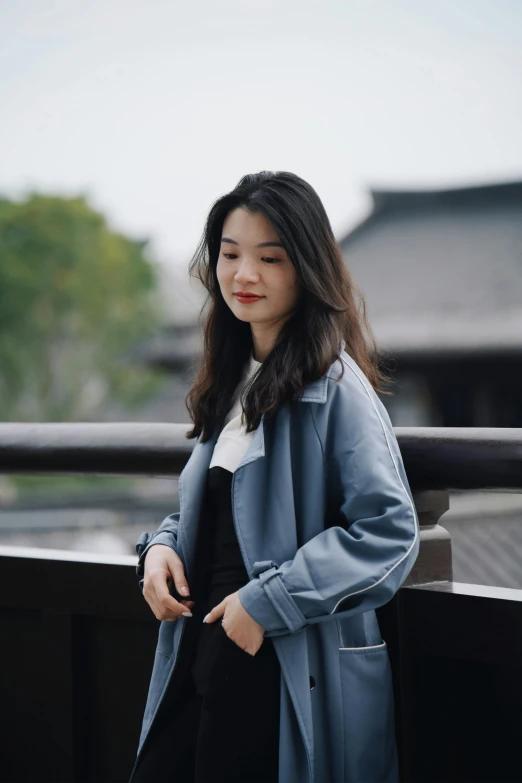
[193, 477]
[191, 489]
[192, 485]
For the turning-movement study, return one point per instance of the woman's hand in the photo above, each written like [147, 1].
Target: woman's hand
[238, 624]
[161, 565]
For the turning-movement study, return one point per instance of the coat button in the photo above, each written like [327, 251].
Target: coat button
[312, 683]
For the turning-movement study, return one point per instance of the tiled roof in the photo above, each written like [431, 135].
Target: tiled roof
[442, 270]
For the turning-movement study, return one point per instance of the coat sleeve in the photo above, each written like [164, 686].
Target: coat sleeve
[359, 563]
[167, 533]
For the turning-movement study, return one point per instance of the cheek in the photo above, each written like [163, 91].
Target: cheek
[290, 285]
[286, 292]
[222, 274]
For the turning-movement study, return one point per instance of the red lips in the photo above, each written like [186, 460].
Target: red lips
[246, 294]
[247, 298]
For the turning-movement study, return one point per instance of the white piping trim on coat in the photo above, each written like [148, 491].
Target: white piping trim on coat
[349, 595]
[371, 647]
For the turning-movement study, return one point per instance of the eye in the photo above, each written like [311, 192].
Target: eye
[268, 259]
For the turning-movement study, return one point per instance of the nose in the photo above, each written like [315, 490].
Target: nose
[246, 272]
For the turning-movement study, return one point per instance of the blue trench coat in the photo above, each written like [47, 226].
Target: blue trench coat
[328, 531]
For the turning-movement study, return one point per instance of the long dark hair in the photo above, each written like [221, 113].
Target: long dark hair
[309, 341]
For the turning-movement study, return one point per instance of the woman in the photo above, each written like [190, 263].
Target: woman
[296, 520]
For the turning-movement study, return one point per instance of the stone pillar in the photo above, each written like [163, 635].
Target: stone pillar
[434, 561]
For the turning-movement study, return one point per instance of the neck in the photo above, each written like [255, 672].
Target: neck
[262, 342]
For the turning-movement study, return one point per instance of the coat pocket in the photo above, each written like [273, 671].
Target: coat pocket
[370, 751]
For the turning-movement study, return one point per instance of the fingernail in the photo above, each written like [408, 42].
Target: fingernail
[184, 590]
[205, 618]
[187, 614]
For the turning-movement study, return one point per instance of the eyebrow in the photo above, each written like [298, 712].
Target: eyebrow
[261, 244]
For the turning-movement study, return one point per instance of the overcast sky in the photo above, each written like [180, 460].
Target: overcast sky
[154, 109]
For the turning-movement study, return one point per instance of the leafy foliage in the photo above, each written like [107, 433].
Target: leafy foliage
[75, 297]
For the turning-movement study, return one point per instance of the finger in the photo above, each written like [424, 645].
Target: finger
[164, 601]
[215, 613]
[178, 575]
[171, 587]
[159, 614]
[162, 613]
[159, 611]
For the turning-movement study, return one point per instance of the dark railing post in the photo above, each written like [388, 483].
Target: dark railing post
[434, 562]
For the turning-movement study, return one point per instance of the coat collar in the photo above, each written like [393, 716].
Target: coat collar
[313, 392]
[317, 391]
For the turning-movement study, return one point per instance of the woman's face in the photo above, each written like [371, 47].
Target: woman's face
[253, 260]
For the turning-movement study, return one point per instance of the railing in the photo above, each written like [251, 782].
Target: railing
[78, 638]
[436, 458]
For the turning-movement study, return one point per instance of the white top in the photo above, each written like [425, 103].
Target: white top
[233, 441]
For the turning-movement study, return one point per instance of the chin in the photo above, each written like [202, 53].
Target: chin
[245, 320]
[241, 316]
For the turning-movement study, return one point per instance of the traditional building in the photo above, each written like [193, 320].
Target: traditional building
[441, 271]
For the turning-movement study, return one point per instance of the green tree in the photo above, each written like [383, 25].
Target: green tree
[75, 297]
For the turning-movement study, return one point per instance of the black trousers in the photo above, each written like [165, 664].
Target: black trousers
[223, 726]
